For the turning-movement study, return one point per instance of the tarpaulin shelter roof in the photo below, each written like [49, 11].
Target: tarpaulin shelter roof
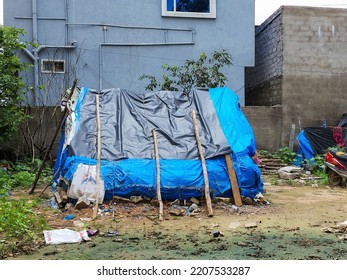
[127, 150]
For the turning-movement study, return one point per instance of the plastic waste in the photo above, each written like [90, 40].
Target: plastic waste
[61, 236]
[54, 204]
[69, 217]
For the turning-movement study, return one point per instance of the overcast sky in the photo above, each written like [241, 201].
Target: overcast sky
[264, 8]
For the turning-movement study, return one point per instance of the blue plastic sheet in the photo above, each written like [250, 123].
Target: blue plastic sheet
[182, 178]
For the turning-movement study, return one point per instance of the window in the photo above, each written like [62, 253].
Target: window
[189, 8]
[52, 66]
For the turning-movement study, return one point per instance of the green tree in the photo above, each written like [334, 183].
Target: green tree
[11, 85]
[203, 72]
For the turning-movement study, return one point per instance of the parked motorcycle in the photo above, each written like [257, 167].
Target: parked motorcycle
[336, 167]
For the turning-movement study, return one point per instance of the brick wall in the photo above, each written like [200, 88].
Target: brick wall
[263, 82]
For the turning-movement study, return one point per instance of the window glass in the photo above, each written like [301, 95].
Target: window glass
[189, 8]
[193, 6]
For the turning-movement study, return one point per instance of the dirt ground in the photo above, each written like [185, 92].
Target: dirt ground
[291, 227]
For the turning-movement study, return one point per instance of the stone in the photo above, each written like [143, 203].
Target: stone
[234, 225]
[195, 200]
[136, 199]
[193, 207]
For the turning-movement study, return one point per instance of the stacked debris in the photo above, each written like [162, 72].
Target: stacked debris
[269, 165]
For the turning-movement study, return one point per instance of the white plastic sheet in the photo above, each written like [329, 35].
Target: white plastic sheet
[61, 236]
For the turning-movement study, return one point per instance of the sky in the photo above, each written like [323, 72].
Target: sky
[264, 8]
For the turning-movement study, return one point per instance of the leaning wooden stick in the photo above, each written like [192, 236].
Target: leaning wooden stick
[156, 151]
[204, 169]
[98, 124]
[233, 181]
[33, 186]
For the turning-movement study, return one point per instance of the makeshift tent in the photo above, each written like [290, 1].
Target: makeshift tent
[316, 140]
[128, 165]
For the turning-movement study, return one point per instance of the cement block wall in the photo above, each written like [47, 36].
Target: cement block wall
[264, 81]
[266, 123]
[313, 77]
[314, 67]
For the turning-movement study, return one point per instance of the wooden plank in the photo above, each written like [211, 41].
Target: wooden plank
[157, 163]
[233, 181]
[204, 168]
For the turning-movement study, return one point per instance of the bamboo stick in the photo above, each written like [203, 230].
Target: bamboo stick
[204, 168]
[156, 150]
[97, 104]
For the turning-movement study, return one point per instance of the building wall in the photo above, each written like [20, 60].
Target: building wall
[79, 23]
[314, 68]
[312, 81]
[266, 123]
[264, 81]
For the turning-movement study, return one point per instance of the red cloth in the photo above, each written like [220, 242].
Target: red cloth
[338, 136]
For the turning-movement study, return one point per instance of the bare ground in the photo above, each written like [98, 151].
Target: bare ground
[290, 227]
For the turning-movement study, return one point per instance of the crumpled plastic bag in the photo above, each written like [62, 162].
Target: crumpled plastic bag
[61, 236]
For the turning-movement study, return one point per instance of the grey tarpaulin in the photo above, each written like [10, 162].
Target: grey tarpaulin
[127, 120]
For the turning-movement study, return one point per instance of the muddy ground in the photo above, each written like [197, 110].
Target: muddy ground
[289, 228]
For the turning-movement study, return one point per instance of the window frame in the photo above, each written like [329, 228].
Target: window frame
[212, 14]
[53, 71]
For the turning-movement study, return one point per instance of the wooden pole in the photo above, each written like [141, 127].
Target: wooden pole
[233, 181]
[204, 169]
[156, 151]
[33, 186]
[96, 207]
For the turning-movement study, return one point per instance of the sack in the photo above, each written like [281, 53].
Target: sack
[60, 236]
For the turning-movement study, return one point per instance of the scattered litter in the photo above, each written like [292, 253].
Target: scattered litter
[175, 202]
[217, 234]
[178, 211]
[340, 230]
[112, 233]
[54, 203]
[86, 219]
[92, 232]
[61, 236]
[69, 217]
[259, 198]
[234, 208]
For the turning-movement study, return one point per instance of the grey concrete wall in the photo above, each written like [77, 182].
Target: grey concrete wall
[312, 82]
[121, 66]
[264, 80]
[315, 67]
[266, 123]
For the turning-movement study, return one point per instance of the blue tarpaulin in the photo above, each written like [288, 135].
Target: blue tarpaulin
[128, 163]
